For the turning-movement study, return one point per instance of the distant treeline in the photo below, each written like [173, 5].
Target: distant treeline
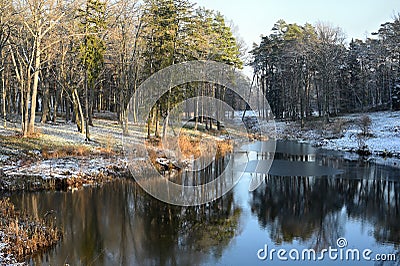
[309, 70]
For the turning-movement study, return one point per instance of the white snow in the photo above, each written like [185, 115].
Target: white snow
[385, 131]
[105, 134]
[6, 259]
[66, 167]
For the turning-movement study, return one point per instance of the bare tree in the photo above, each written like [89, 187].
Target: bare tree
[36, 19]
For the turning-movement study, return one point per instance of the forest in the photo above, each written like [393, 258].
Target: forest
[309, 70]
[73, 58]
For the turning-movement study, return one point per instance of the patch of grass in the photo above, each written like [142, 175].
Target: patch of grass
[49, 152]
[48, 149]
[19, 143]
[108, 147]
[224, 147]
[197, 145]
[153, 157]
[192, 144]
[189, 146]
[154, 142]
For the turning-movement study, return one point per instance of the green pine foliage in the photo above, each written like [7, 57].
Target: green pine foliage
[175, 32]
[308, 70]
[92, 48]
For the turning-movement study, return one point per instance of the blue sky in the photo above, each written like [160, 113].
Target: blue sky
[255, 17]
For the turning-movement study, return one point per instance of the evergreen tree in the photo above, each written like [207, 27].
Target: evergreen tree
[92, 48]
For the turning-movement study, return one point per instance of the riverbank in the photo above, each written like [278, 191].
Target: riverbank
[56, 158]
[342, 133]
[59, 158]
[21, 236]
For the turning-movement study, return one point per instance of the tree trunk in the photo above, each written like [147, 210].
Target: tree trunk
[87, 136]
[91, 103]
[148, 126]
[157, 123]
[45, 105]
[78, 111]
[124, 120]
[196, 113]
[31, 125]
[25, 120]
[57, 99]
[67, 110]
[4, 95]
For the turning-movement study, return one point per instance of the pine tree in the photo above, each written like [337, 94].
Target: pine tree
[92, 48]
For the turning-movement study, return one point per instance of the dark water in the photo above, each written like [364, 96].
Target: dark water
[118, 224]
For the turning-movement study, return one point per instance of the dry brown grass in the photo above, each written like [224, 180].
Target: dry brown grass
[108, 148]
[24, 235]
[190, 146]
[196, 146]
[154, 142]
[153, 157]
[224, 147]
[66, 151]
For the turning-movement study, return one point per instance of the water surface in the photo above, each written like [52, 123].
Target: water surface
[120, 224]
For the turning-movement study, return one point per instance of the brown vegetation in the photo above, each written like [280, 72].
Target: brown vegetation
[23, 235]
[190, 146]
[224, 147]
[67, 151]
[364, 123]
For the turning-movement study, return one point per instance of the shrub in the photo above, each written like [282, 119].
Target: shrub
[23, 234]
[364, 123]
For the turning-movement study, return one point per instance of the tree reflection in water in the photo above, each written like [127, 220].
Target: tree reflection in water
[120, 224]
[313, 209]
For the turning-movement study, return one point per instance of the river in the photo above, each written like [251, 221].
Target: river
[119, 224]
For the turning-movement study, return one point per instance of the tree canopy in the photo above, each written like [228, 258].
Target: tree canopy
[77, 57]
[307, 70]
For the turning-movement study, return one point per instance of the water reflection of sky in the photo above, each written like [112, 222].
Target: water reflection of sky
[243, 250]
[360, 217]
[291, 168]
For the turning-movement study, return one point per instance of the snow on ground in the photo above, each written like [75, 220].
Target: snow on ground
[107, 145]
[11, 128]
[385, 130]
[104, 131]
[343, 131]
[65, 167]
